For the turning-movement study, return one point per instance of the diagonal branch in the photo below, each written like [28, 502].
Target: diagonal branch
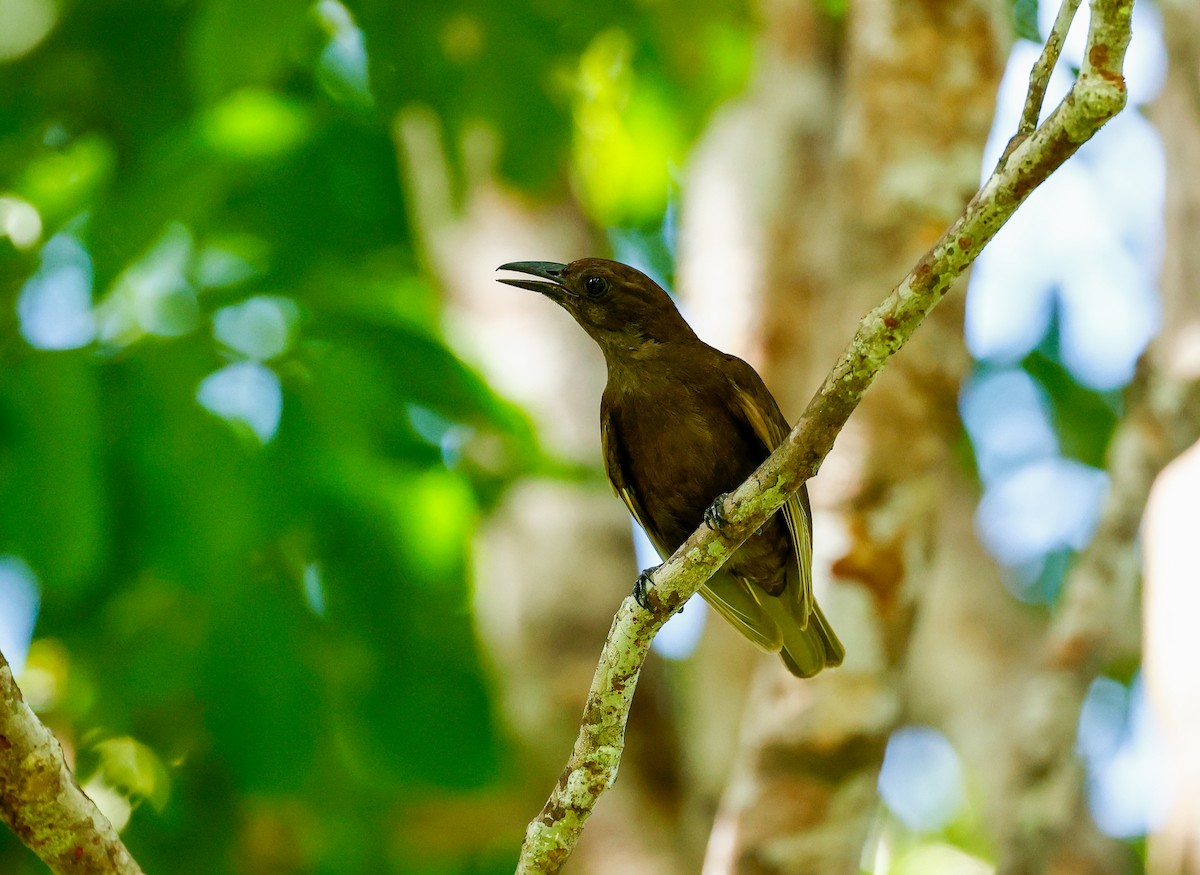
[40, 800]
[1097, 95]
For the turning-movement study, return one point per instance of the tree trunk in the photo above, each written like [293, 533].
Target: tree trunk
[1172, 649]
[847, 186]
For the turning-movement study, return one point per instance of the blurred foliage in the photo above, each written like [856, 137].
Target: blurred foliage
[235, 450]
[626, 85]
[1025, 19]
[1084, 419]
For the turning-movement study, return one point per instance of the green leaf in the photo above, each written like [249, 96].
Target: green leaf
[1083, 419]
[254, 125]
[60, 183]
[1025, 19]
[134, 769]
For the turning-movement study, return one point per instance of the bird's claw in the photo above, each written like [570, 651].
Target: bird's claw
[639, 586]
[714, 515]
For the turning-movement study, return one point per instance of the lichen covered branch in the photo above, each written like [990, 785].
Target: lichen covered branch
[40, 800]
[1097, 95]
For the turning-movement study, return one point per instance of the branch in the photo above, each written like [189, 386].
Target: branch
[40, 800]
[1039, 76]
[1097, 95]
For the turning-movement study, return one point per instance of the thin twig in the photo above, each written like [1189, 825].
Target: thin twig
[1097, 95]
[1039, 76]
[42, 803]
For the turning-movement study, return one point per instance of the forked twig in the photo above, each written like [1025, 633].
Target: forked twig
[1039, 76]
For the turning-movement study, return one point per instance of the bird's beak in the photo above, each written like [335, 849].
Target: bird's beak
[549, 270]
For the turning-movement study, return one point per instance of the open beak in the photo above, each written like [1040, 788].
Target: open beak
[548, 270]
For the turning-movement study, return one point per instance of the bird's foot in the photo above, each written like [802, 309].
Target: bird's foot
[714, 516]
[639, 586]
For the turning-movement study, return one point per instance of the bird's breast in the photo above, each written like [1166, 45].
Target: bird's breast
[680, 449]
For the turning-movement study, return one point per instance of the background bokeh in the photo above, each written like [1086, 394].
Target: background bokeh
[240, 466]
[271, 462]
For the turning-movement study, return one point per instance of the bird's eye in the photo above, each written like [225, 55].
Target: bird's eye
[595, 285]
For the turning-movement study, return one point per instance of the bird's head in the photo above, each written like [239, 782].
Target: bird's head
[620, 307]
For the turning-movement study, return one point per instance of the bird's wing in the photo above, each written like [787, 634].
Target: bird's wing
[615, 465]
[730, 598]
[754, 404]
[739, 605]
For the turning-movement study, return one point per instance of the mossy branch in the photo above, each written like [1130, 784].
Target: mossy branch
[1097, 95]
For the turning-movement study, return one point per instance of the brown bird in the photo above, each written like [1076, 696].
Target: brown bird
[682, 422]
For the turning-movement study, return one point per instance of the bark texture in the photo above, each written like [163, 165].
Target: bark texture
[41, 802]
[876, 162]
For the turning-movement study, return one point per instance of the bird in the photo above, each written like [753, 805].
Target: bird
[682, 424]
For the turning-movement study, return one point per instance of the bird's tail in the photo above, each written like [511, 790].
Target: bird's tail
[805, 650]
[774, 624]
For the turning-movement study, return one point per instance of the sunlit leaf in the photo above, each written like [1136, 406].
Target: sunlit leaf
[627, 136]
[255, 125]
[135, 769]
[60, 183]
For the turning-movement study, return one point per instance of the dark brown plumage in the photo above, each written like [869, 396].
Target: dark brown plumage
[683, 423]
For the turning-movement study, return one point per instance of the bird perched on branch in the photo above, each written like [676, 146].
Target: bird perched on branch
[682, 423]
